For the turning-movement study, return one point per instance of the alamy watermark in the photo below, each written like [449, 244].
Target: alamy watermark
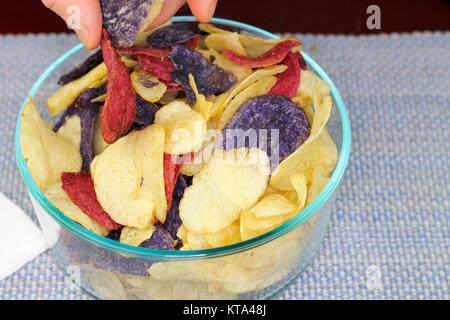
[373, 22]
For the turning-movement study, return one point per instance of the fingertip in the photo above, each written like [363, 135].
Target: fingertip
[203, 10]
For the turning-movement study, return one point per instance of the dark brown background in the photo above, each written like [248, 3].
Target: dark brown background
[305, 16]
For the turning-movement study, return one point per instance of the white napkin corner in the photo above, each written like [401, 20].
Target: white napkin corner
[21, 240]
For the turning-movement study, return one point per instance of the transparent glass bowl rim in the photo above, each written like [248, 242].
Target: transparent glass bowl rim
[165, 255]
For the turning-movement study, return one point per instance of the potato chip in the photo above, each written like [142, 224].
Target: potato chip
[170, 35]
[210, 28]
[134, 236]
[185, 128]
[148, 87]
[223, 99]
[227, 41]
[210, 78]
[227, 236]
[288, 81]
[119, 109]
[128, 178]
[226, 64]
[141, 39]
[80, 70]
[259, 88]
[46, 153]
[59, 198]
[99, 144]
[272, 205]
[255, 47]
[80, 189]
[305, 91]
[202, 105]
[159, 240]
[71, 130]
[320, 179]
[232, 181]
[64, 96]
[124, 19]
[289, 165]
[196, 241]
[269, 58]
[272, 123]
[153, 12]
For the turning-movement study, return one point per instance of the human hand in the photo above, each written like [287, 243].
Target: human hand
[89, 31]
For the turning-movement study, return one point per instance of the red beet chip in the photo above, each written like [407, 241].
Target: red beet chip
[119, 110]
[289, 80]
[146, 51]
[171, 172]
[80, 189]
[269, 58]
[301, 60]
[160, 68]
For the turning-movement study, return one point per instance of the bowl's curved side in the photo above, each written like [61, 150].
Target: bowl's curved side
[197, 254]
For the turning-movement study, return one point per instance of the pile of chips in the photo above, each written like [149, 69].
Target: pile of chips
[184, 137]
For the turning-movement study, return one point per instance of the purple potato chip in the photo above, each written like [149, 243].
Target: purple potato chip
[145, 111]
[160, 239]
[209, 78]
[87, 111]
[80, 70]
[173, 221]
[123, 19]
[273, 123]
[115, 234]
[113, 262]
[169, 36]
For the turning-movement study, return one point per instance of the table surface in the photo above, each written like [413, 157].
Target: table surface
[389, 237]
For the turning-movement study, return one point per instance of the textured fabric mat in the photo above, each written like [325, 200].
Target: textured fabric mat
[389, 237]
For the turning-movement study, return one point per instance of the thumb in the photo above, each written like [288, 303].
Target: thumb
[83, 16]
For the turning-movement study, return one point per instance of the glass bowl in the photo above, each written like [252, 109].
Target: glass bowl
[252, 269]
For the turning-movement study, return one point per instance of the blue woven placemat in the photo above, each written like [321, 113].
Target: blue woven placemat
[389, 235]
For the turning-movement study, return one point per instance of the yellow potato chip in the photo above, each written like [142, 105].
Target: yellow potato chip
[223, 62]
[203, 156]
[225, 41]
[46, 153]
[305, 91]
[255, 47]
[153, 12]
[168, 97]
[196, 241]
[143, 84]
[272, 205]
[209, 28]
[259, 88]
[223, 99]
[134, 236]
[99, 144]
[231, 182]
[320, 179]
[129, 180]
[59, 198]
[71, 130]
[185, 128]
[280, 177]
[100, 98]
[226, 236]
[64, 96]
[202, 105]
